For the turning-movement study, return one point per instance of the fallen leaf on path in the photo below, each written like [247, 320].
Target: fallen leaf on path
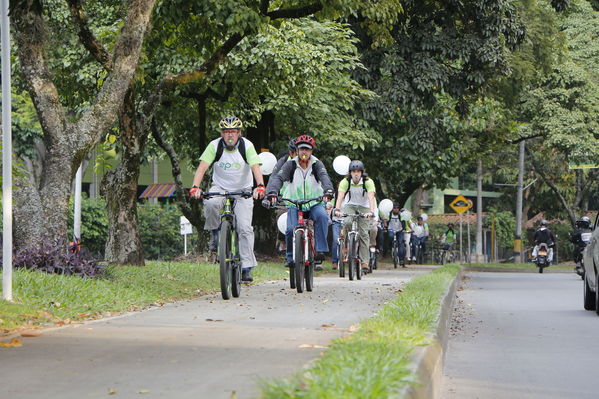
[14, 343]
[328, 325]
[213, 320]
[353, 328]
[111, 391]
[304, 346]
[143, 391]
[30, 334]
[325, 301]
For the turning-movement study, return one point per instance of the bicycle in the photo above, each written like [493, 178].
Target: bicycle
[303, 248]
[342, 252]
[373, 262]
[419, 253]
[228, 250]
[447, 253]
[353, 247]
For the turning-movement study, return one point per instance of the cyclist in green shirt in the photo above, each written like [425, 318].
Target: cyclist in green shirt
[448, 238]
[361, 199]
[234, 160]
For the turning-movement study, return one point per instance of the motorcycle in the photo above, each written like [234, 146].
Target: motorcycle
[542, 257]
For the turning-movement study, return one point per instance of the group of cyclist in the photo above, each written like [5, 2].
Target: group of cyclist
[299, 175]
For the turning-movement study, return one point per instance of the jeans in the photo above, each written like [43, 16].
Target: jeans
[418, 241]
[336, 229]
[320, 217]
[400, 239]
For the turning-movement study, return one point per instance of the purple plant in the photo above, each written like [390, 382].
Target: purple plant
[57, 258]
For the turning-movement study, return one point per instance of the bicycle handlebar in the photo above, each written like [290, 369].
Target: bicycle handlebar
[227, 194]
[299, 203]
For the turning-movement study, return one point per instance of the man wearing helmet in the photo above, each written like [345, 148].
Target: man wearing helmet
[543, 235]
[235, 160]
[361, 192]
[306, 178]
[580, 237]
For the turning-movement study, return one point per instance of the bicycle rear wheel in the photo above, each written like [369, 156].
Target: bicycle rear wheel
[299, 264]
[395, 254]
[351, 257]
[225, 259]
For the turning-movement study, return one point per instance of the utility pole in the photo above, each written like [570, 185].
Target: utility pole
[479, 212]
[6, 156]
[518, 238]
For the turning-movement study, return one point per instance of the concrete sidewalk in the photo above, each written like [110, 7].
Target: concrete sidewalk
[205, 348]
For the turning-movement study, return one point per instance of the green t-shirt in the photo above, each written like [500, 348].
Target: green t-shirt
[357, 195]
[231, 172]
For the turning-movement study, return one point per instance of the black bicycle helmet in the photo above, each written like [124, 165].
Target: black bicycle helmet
[292, 146]
[356, 165]
[544, 222]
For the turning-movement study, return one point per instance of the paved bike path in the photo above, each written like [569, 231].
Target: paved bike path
[204, 348]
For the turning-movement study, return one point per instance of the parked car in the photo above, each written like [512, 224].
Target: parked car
[590, 260]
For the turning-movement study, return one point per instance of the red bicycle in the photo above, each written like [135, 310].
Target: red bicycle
[303, 248]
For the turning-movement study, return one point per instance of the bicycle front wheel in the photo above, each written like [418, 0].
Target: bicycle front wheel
[299, 264]
[341, 264]
[395, 255]
[225, 259]
[235, 266]
[352, 257]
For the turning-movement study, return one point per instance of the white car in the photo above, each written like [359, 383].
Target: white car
[590, 260]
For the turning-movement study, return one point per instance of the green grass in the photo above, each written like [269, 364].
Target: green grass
[42, 299]
[519, 266]
[374, 361]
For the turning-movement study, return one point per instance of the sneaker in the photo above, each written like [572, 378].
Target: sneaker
[318, 267]
[320, 256]
[335, 266]
[365, 268]
[289, 264]
[246, 275]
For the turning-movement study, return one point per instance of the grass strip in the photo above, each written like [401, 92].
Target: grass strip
[519, 266]
[374, 362]
[43, 299]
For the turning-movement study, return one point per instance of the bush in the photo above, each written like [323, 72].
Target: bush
[57, 258]
[94, 225]
[159, 230]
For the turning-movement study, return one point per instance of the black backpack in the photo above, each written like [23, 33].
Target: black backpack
[220, 147]
[349, 186]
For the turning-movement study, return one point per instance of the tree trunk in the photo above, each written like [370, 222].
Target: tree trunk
[119, 188]
[418, 195]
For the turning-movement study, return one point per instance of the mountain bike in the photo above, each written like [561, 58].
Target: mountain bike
[447, 253]
[353, 246]
[303, 247]
[228, 249]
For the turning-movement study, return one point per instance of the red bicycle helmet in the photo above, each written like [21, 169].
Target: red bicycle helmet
[305, 139]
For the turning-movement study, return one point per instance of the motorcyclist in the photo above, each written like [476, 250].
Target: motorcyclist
[580, 237]
[544, 236]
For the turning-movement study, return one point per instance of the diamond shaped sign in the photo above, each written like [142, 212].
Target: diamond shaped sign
[460, 204]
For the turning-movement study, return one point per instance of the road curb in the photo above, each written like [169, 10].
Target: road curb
[427, 361]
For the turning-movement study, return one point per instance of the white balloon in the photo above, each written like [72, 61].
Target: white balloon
[268, 160]
[424, 217]
[406, 215]
[341, 165]
[282, 223]
[385, 207]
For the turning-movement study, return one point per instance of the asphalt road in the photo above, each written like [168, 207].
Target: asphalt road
[520, 335]
[205, 348]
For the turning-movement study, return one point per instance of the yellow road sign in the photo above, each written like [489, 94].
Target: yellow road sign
[460, 204]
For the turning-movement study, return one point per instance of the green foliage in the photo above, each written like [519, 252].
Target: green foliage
[160, 231]
[94, 224]
[505, 226]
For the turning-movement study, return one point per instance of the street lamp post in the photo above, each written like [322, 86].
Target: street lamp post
[518, 238]
[6, 156]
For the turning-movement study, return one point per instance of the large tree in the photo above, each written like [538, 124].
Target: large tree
[67, 135]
